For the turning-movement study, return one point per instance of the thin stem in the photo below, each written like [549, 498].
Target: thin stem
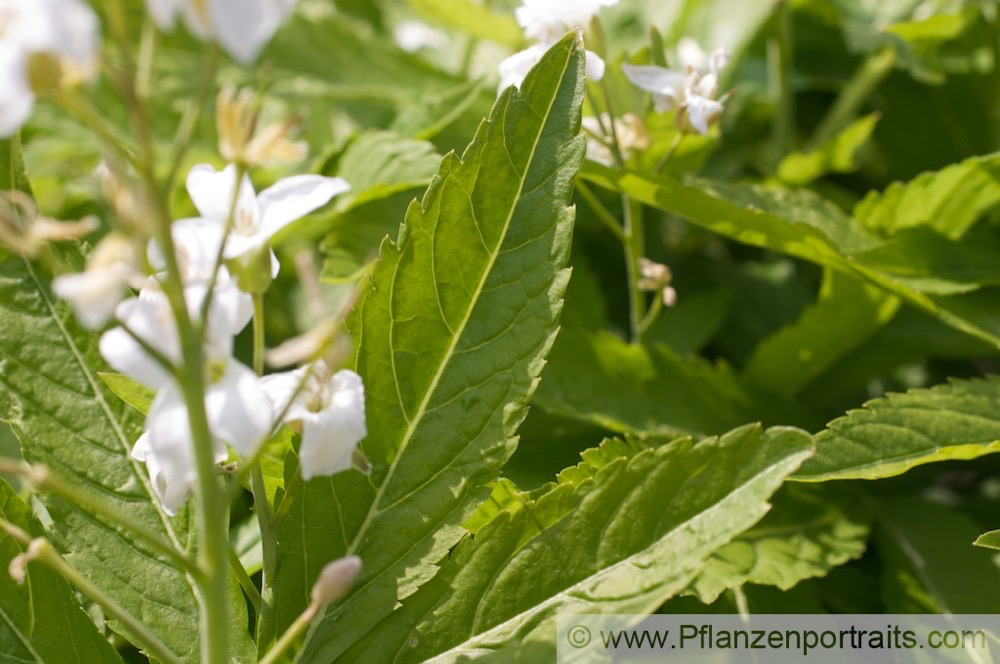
[257, 486]
[651, 315]
[258, 333]
[855, 93]
[285, 505]
[192, 115]
[779, 64]
[671, 151]
[634, 245]
[43, 552]
[41, 478]
[294, 631]
[602, 212]
[616, 144]
[245, 581]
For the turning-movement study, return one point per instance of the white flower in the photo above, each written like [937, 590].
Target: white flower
[629, 129]
[43, 44]
[692, 91]
[548, 20]
[94, 293]
[239, 413]
[241, 27]
[331, 410]
[257, 217]
[516, 67]
[412, 36]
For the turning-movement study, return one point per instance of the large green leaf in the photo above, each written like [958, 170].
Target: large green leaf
[474, 18]
[41, 620]
[601, 378]
[620, 534]
[806, 534]
[950, 200]
[451, 333]
[934, 569]
[959, 420]
[846, 313]
[930, 270]
[65, 418]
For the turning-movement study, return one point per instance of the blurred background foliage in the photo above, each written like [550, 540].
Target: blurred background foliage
[841, 97]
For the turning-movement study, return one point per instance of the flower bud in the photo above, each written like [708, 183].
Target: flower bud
[334, 580]
[18, 567]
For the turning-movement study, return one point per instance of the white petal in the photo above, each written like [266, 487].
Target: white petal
[169, 449]
[152, 321]
[212, 193]
[718, 60]
[239, 410]
[164, 12]
[514, 69]
[595, 66]
[294, 197]
[281, 387]
[244, 27]
[16, 97]
[330, 436]
[196, 243]
[657, 80]
[691, 54]
[702, 112]
[92, 294]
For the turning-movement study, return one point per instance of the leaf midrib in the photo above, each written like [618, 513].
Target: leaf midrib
[374, 512]
[457, 335]
[790, 460]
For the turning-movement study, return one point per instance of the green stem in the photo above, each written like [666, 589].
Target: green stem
[285, 505]
[294, 631]
[135, 628]
[267, 534]
[634, 244]
[855, 93]
[192, 115]
[245, 581]
[43, 479]
[651, 315]
[779, 64]
[602, 212]
[671, 151]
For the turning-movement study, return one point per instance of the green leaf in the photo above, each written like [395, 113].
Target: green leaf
[41, 620]
[384, 171]
[933, 569]
[950, 200]
[958, 420]
[834, 155]
[51, 396]
[806, 534]
[451, 333]
[432, 112]
[927, 269]
[989, 540]
[474, 18]
[601, 378]
[134, 394]
[623, 533]
[846, 313]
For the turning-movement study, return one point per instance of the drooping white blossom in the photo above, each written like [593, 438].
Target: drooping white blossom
[94, 293]
[44, 44]
[241, 27]
[257, 217]
[692, 91]
[329, 407]
[546, 21]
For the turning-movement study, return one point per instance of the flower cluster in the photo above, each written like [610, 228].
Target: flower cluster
[241, 27]
[235, 224]
[44, 45]
[545, 21]
[692, 90]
